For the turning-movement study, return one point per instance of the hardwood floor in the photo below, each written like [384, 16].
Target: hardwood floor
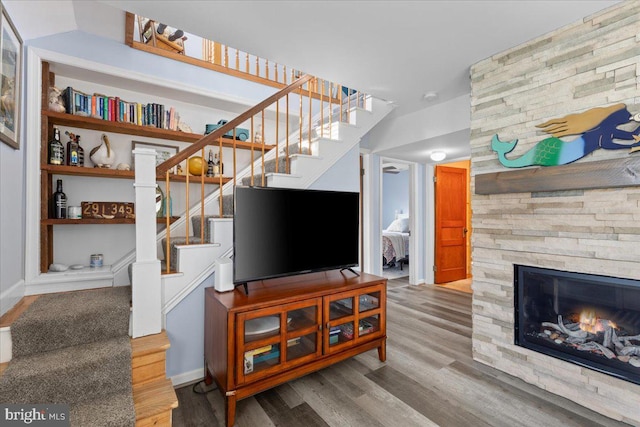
[429, 379]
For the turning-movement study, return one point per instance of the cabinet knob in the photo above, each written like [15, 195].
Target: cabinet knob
[320, 327]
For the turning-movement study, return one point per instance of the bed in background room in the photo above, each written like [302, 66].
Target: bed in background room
[395, 243]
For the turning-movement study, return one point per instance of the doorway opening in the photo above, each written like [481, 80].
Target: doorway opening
[395, 219]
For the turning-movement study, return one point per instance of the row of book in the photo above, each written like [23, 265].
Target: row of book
[259, 355]
[118, 110]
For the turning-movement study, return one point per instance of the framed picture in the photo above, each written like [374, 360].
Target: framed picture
[163, 152]
[10, 76]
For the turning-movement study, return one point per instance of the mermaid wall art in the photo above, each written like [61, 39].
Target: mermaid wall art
[597, 128]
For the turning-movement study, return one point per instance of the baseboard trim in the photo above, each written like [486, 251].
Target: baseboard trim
[188, 377]
[11, 296]
[48, 288]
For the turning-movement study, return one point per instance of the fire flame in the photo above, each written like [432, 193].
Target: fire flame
[589, 322]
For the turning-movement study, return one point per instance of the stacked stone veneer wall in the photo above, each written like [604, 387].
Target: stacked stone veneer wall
[592, 63]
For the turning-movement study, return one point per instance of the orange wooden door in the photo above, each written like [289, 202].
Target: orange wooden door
[450, 224]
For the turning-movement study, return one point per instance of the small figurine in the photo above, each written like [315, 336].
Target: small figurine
[123, 167]
[103, 156]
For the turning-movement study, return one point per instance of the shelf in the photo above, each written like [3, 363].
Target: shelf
[88, 221]
[63, 119]
[163, 219]
[114, 173]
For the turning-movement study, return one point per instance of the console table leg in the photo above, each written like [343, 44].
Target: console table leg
[382, 351]
[230, 408]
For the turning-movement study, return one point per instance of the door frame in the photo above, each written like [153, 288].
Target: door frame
[413, 220]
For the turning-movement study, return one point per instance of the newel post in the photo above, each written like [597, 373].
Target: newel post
[145, 280]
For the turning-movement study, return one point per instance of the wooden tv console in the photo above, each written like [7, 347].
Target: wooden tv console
[289, 327]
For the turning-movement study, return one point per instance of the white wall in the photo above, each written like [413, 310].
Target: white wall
[12, 236]
[395, 196]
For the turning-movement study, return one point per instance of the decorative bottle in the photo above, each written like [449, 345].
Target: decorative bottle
[72, 150]
[210, 164]
[59, 201]
[80, 151]
[166, 200]
[216, 165]
[56, 149]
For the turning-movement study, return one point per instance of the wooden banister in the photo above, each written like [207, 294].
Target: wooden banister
[211, 138]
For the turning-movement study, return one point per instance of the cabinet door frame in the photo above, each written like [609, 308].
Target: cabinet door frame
[354, 318]
[279, 339]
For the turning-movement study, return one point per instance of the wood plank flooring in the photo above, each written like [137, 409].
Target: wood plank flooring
[429, 379]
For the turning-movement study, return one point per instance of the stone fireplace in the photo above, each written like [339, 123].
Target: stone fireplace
[586, 319]
[590, 231]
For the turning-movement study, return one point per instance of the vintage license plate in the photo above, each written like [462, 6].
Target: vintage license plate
[108, 210]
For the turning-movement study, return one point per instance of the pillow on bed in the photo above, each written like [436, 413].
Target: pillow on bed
[400, 225]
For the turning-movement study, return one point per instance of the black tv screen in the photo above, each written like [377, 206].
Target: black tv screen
[280, 232]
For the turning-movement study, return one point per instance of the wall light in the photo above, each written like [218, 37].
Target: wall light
[436, 156]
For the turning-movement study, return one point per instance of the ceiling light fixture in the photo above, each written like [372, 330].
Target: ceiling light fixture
[430, 96]
[436, 156]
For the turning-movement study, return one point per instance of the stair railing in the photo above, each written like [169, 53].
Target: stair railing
[254, 118]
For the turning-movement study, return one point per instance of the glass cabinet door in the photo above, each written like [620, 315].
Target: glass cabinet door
[353, 317]
[303, 331]
[341, 308]
[369, 301]
[259, 341]
[340, 315]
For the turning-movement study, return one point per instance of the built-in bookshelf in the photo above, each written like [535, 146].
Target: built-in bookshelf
[116, 125]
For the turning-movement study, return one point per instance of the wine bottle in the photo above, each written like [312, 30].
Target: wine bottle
[72, 150]
[59, 202]
[80, 151]
[56, 149]
[210, 164]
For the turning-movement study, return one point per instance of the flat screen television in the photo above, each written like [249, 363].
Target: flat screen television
[280, 232]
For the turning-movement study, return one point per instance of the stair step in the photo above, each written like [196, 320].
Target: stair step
[68, 320]
[10, 316]
[148, 361]
[69, 375]
[154, 402]
[112, 410]
[177, 241]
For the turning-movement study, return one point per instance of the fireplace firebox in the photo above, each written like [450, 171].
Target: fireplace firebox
[590, 320]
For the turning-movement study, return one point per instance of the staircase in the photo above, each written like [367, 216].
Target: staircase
[305, 163]
[74, 349]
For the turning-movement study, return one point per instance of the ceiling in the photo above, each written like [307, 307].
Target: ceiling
[395, 50]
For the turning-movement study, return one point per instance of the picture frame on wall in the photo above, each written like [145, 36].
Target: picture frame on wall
[163, 152]
[10, 80]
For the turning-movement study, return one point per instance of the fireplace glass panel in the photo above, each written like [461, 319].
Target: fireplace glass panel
[589, 320]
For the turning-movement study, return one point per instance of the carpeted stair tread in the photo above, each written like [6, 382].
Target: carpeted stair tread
[114, 410]
[69, 375]
[56, 321]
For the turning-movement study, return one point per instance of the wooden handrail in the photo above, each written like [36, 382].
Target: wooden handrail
[211, 138]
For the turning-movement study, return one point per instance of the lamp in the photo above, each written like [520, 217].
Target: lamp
[436, 156]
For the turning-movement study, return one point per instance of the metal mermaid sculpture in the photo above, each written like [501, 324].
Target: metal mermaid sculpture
[597, 127]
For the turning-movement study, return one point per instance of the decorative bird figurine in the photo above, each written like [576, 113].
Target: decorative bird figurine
[103, 156]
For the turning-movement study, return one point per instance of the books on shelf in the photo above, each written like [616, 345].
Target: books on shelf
[259, 355]
[114, 109]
